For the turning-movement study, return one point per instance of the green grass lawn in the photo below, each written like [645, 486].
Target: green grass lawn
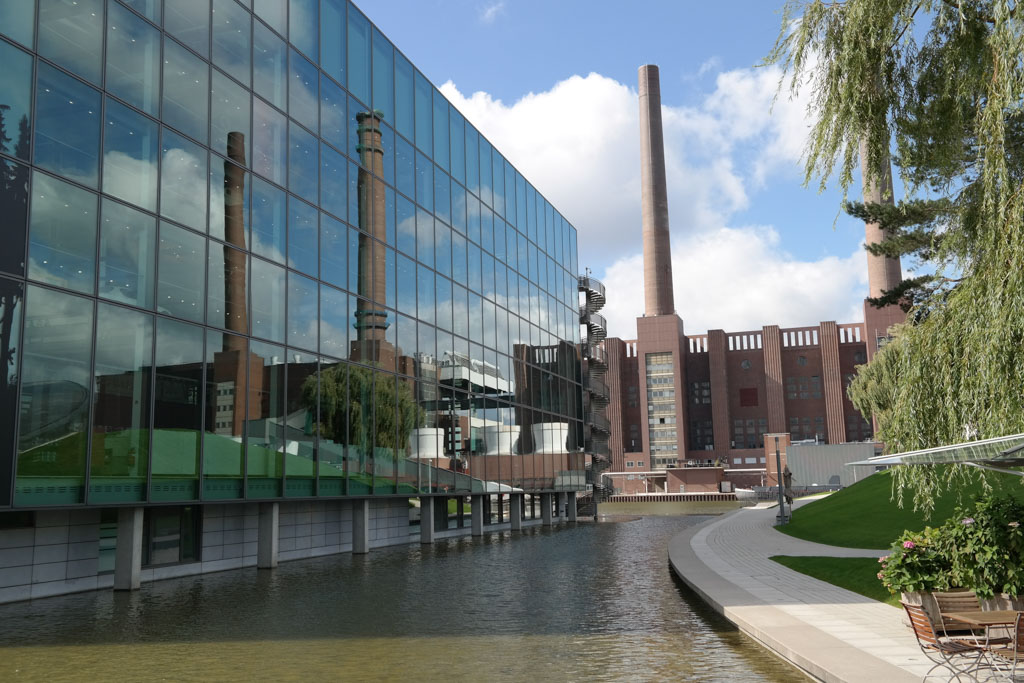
[864, 516]
[857, 574]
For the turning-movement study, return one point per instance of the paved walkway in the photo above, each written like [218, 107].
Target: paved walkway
[829, 632]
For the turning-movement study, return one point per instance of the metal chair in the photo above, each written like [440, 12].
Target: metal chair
[959, 657]
[963, 601]
[1011, 655]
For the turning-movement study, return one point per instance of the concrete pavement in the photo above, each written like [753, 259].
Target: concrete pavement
[829, 632]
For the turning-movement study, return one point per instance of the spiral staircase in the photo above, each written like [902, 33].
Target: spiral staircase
[597, 428]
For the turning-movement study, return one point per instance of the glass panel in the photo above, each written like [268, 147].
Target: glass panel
[442, 248]
[62, 234]
[229, 202]
[268, 292]
[332, 38]
[232, 27]
[333, 181]
[264, 428]
[230, 115]
[67, 126]
[133, 59]
[181, 289]
[54, 403]
[358, 54]
[472, 160]
[270, 64]
[269, 149]
[459, 208]
[334, 324]
[303, 315]
[444, 306]
[268, 220]
[498, 183]
[353, 261]
[456, 126]
[120, 423]
[300, 432]
[405, 120]
[15, 100]
[486, 184]
[333, 120]
[130, 156]
[11, 295]
[443, 196]
[441, 130]
[333, 251]
[189, 22]
[405, 215]
[183, 181]
[424, 105]
[14, 209]
[147, 8]
[407, 288]
[424, 182]
[424, 237]
[227, 285]
[303, 97]
[302, 236]
[71, 34]
[405, 167]
[274, 12]
[127, 250]
[383, 76]
[425, 294]
[226, 390]
[17, 20]
[303, 163]
[186, 88]
[389, 270]
[302, 26]
[331, 420]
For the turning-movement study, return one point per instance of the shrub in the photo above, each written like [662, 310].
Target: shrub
[917, 563]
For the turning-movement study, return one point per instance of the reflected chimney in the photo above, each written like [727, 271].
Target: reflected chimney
[236, 318]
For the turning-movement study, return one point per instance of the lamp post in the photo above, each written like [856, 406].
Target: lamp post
[781, 517]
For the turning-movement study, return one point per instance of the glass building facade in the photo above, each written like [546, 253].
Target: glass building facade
[251, 253]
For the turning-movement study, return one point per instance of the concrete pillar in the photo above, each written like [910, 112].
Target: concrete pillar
[563, 498]
[477, 512]
[128, 556]
[360, 527]
[571, 506]
[266, 548]
[515, 511]
[427, 520]
[545, 508]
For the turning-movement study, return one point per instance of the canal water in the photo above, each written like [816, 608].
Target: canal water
[584, 602]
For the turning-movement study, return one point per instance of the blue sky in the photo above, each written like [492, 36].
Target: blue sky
[553, 85]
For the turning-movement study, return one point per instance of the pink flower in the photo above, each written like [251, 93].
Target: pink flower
[967, 520]
[883, 560]
[908, 544]
[1013, 525]
[880, 576]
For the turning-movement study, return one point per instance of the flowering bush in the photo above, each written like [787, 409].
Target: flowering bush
[979, 548]
[916, 563]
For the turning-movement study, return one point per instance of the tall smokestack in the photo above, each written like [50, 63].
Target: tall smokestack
[654, 198]
[884, 272]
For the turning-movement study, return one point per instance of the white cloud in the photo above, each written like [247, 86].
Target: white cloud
[739, 279]
[490, 13]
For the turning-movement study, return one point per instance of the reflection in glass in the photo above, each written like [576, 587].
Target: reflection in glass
[178, 417]
[71, 34]
[229, 200]
[441, 154]
[303, 317]
[383, 76]
[62, 234]
[120, 426]
[424, 182]
[183, 181]
[17, 20]
[332, 38]
[268, 294]
[457, 136]
[333, 251]
[333, 117]
[186, 88]
[265, 426]
[442, 248]
[333, 182]
[425, 237]
[133, 59]
[405, 168]
[54, 402]
[442, 196]
[404, 119]
[486, 184]
[147, 8]
[130, 156]
[269, 148]
[274, 12]
[14, 209]
[189, 22]
[225, 404]
[231, 27]
[230, 114]
[181, 287]
[424, 106]
[358, 54]
[227, 285]
[127, 249]
[334, 321]
[15, 100]
[303, 163]
[472, 160]
[11, 295]
[269, 64]
[302, 25]
[303, 97]
[302, 236]
[406, 272]
[67, 126]
[300, 433]
[269, 216]
[425, 294]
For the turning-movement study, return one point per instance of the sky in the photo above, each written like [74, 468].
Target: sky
[553, 85]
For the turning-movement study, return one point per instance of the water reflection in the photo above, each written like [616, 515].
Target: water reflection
[589, 602]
